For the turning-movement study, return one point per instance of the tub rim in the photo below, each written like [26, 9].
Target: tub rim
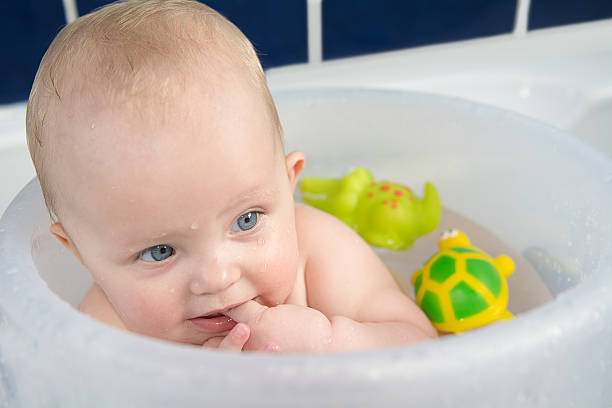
[543, 325]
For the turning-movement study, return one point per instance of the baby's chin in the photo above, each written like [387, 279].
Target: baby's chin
[184, 334]
[199, 341]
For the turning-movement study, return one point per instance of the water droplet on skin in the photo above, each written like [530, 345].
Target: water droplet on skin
[195, 226]
[194, 286]
[261, 242]
[172, 290]
[93, 125]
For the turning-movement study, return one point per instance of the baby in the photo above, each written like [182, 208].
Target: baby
[159, 152]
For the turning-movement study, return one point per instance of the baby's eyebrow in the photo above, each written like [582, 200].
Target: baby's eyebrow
[252, 196]
[135, 245]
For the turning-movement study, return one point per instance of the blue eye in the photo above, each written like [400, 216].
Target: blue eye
[245, 222]
[157, 253]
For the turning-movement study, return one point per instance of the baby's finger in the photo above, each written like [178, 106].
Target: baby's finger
[246, 311]
[236, 338]
[213, 342]
[272, 347]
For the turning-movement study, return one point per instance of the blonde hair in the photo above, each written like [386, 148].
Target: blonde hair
[131, 48]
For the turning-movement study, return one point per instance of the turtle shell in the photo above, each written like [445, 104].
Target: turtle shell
[460, 288]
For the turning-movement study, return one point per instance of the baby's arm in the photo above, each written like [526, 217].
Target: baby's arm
[354, 302]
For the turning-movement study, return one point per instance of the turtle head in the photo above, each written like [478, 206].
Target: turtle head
[453, 238]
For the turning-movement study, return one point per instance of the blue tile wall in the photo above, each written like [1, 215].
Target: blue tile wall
[86, 6]
[353, 27]
[277, 28]
[549, 13]
[27, 29]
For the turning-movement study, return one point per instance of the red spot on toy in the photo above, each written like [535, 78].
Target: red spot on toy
[370, 195]
[398, 193]
[385, 188]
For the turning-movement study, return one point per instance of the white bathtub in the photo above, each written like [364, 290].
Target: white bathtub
[561, 76]
[15, 165]
[530, 183]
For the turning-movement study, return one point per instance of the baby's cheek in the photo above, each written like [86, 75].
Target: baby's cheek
[146, 314]
[279, 272]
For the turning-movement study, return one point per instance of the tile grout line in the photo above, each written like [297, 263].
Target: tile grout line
[521, 18]
[314, 29]
[71, 11]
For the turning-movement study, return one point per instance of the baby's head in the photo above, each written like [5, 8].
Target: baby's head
[158, 149]
[138, 58]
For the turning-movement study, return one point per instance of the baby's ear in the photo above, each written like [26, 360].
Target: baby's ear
[57, 229]
[295, 163]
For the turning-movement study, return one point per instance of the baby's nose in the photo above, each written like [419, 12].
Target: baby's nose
[214, 277]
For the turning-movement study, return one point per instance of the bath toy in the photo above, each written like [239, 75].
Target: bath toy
[461, 287]
[385, 214]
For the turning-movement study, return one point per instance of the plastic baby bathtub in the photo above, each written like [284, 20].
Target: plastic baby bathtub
[531, 184]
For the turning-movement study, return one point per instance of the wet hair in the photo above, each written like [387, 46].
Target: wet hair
[131, 50]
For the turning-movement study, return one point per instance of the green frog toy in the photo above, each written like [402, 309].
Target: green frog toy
[385, 214]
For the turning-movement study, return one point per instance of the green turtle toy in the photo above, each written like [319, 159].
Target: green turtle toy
[461, 287]
[385, 214]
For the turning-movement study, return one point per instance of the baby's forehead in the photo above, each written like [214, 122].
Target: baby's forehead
[203, 115]
[127, 163]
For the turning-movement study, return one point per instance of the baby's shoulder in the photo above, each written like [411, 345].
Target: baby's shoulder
[315, 227]
[312, 220]
[305, 212]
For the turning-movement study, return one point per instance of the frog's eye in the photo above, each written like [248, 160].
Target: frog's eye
[157, 253]
[450, 233]
[245, 222]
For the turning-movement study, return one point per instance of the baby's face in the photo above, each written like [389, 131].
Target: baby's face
[183, 218]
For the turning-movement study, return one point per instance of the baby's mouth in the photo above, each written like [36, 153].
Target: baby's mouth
[220, 313]
[215, 322]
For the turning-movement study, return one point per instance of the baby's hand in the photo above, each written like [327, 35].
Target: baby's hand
[286, 328]
[232, 341]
